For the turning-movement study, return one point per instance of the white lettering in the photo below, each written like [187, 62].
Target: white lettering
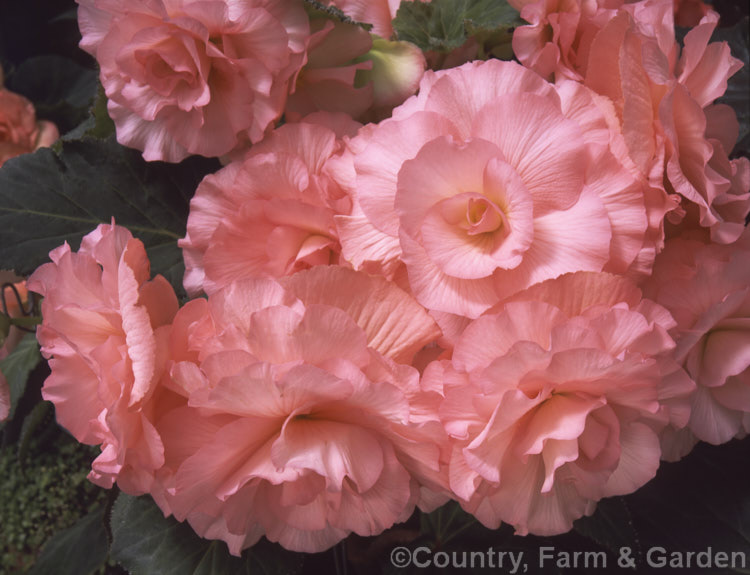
[660, 560]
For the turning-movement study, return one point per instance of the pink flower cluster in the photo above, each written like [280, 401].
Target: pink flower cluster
[517, 294]
[211, 77]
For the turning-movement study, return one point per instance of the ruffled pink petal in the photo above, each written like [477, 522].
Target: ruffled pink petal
[576, 239]
[381, 159]
[461, 94]
[705, 68]
[545, 148]
[394, 324]
[438, 291]
[330, 449]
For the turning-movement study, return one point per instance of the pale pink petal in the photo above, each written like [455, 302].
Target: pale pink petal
[544, 147]
[639, 459]
[394, 324]
[369, 512]
[438, 291]
[576, 292]
[461, 95]
[705, 68]
[381, 159]
[330, 449]
[576, 239]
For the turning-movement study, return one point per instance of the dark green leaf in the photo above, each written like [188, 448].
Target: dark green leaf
[702, 501]
[78, 550]
[40, 414]
[317, 9]
[17, 367]
[5, 326]
[47, 198]
[611, 526]
[145, 543]
[51, 79]
[444, 25]
[98, 124]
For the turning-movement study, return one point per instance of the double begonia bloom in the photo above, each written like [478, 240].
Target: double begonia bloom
[486, 182]
[20, 131]
[300, 424]
[270, 214]
[556, 399]
[706, 287]
[105, 330]
[664, 101]
[192, 76]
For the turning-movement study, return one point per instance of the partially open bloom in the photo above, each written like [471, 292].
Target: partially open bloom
[349, 71]
[20, 131]
[663, 99]
[300, 424]
[330, 80]
[706, 287]
[397, 68]
[486, 182]
[556, 401]
[191, 76]
[104, 333]
[270, 214]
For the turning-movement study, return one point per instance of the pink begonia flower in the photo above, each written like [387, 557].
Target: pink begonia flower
[20, 131]
[349, 71]
[397, 69]
[329, 79]
[688, 13]
[564, 407]
[300, 424]
[663, 100]
[194, 76]
[270, 214]
[12, 339]
[105, 332]
[706, 287]
[486, 182]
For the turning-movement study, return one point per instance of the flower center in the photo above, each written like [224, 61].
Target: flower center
[483, 216]
[475, 214]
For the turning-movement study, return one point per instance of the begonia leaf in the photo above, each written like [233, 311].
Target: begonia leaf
[145, 542]
[48, 197]
[611, 525]
[18, 366]
[444, 25]
[78, 550]
[60, 88]
[98, 124]
[320, 10]
[700, 502]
